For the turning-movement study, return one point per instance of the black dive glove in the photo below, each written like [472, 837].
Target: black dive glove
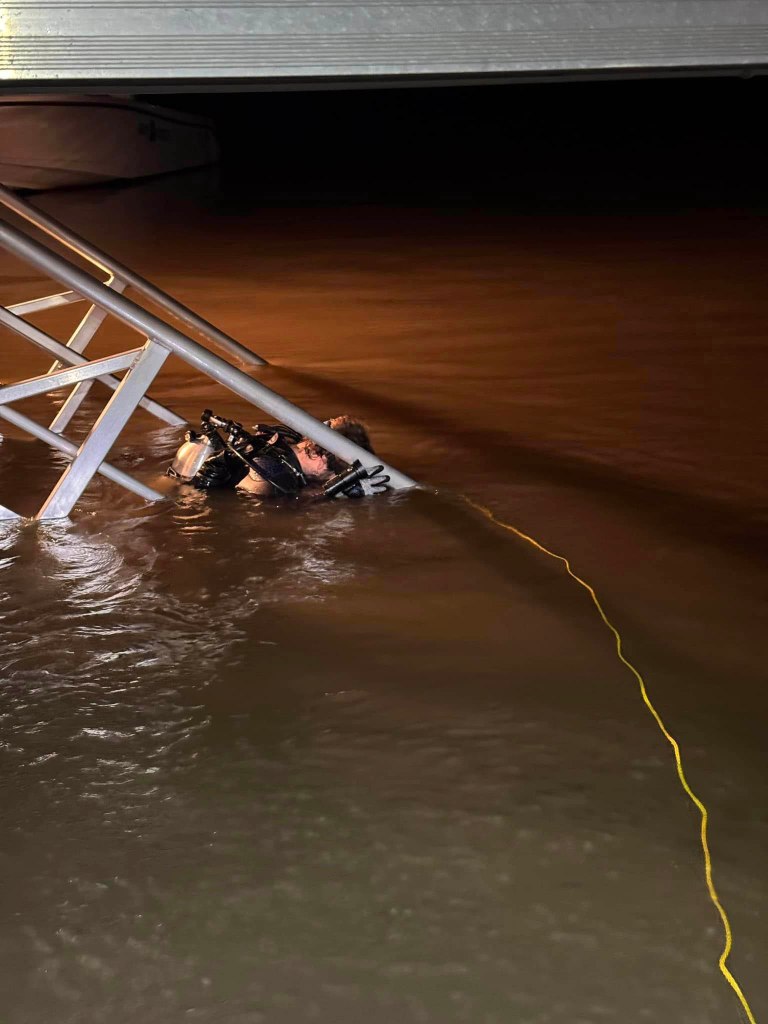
[221, 470]
[357, 482]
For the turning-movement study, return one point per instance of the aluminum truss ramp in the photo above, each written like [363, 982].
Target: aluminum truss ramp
[139, 367]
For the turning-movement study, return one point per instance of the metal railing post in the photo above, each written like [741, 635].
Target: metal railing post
[103, 434]
[92, 320]
[67, 448]
[82, 335]
[66, 355]
[87, 251]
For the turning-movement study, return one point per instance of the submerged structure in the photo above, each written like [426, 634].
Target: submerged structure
[139, 366]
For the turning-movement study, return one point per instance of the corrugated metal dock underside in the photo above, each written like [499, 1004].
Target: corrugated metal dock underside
[337, 41]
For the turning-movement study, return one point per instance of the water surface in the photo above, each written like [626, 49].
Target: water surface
[378, 760]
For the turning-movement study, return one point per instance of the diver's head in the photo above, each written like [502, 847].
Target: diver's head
[353, 429]
[316, 460]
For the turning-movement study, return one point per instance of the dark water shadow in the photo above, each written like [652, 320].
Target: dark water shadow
[697, 674]
[681, 512]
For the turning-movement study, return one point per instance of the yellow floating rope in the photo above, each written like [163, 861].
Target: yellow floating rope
[667, 735]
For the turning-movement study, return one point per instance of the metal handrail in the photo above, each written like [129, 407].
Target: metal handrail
[67, 357]
[166, 336]
[108, 265]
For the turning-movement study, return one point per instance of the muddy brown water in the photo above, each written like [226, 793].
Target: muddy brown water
[378, 761]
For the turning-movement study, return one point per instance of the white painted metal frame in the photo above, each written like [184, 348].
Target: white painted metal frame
[77, 342]
[68, 448]
[105, 431]
[65, 355]
[46, 302]
[72, 375]
[139, 365]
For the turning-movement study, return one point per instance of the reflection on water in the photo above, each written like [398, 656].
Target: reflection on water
[273, 762]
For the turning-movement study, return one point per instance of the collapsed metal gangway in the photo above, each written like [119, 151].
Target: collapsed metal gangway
[139, 366]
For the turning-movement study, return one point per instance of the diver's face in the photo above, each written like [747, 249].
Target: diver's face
[312, 464]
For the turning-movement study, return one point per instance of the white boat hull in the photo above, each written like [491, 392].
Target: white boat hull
[57, 141]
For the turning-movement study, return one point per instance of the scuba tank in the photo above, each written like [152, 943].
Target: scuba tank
[191, 456]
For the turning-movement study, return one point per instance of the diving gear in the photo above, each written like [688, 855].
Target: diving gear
[223, 453]
[357, 481]
[376, 482]
[191, 456]
[222, 470]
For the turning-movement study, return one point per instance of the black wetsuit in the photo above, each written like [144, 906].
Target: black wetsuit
[282, 477]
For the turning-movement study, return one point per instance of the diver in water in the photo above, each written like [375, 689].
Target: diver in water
[273, 460]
